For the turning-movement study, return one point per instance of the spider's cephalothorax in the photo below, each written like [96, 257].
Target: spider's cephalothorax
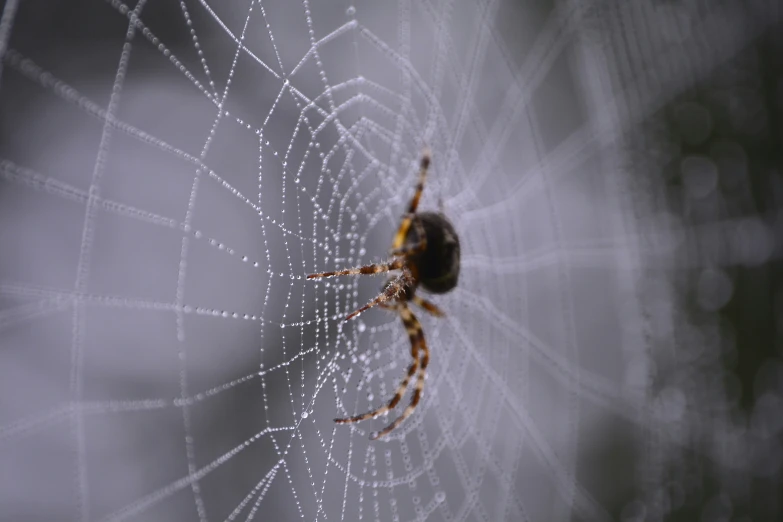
[438, 264]
[426, 252]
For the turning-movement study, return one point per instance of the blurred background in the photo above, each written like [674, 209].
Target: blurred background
[171, 170]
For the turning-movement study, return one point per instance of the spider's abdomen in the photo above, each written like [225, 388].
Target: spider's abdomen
[438, 265]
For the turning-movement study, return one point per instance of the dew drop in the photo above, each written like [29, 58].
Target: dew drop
[305, 414]
[752, 242]
[714, 289]
[350, 11]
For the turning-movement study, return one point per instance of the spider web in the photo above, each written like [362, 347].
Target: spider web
[172, 171]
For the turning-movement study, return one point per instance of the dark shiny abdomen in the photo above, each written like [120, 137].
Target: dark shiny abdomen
[439, 264]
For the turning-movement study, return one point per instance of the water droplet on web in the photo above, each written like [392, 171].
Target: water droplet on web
[752, 242]
[440, 496]
[362, 251]
[713, 289]
[305, 414]
[350, 11]
[370, 397]
[361, 326]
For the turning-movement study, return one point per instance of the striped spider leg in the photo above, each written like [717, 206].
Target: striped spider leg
[419, 365]
[391, 291]
[405, 224]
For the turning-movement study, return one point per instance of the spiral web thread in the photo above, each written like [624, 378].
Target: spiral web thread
[176, 364]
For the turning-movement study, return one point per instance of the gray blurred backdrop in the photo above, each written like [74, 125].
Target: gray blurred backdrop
[170, 171]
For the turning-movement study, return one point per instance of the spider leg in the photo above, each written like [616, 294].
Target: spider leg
[431, 308]
[413, 327]
[400, 389]
[376, 268]
[419, 246]
[393, 289]
[405, 224]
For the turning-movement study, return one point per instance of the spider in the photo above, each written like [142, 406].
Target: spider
[426, 252]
